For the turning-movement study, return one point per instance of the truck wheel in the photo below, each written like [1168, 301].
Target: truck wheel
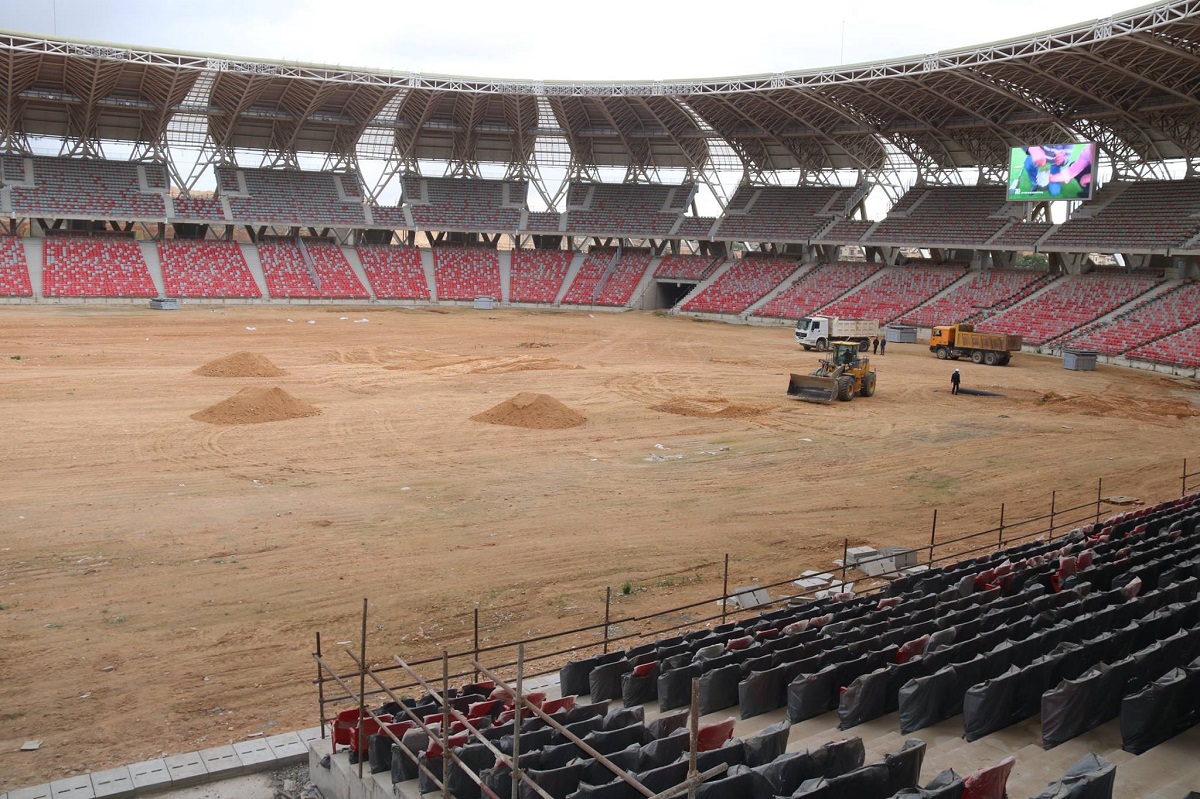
[845, 388]
[822, 345]
[864, 345]
[976, 357]
[942, 353]
[868, 385]
[990, 358]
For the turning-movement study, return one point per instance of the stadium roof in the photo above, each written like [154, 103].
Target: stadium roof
[1129, 82]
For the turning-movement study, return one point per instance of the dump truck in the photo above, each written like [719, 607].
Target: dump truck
[839, 377]
[961, 341]
[816, 332]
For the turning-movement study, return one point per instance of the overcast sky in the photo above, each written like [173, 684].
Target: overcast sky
[601, 40]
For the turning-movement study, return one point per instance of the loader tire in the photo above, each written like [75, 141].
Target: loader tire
[845, 388]
[868, 386]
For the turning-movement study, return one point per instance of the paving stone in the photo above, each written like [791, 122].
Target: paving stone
[186, 769]
[221, 762]
[310, 735]
[112, 784]
[73, 788]
[150, 775]
[254, 754]
[288, 747]
[35, 792]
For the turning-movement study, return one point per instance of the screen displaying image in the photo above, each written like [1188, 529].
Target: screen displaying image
[1051, 172]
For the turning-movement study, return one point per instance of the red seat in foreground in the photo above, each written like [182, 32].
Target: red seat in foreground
[714, 736]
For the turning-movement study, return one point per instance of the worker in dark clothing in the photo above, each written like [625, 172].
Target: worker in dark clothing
[882, 345]
[955, 379]
[875, 347]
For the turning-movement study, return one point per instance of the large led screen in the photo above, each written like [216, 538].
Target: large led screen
[1051, 172]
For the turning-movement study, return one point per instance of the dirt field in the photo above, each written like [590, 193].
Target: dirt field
[161, 578]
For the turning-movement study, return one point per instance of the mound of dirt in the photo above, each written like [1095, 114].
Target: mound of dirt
[533, 412]
[254, 406]
[240, 364]
[710, 409]
[1119, 407]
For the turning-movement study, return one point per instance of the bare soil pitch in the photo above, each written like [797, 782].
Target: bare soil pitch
[161, 578]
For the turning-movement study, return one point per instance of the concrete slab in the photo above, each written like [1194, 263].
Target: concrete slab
[79, 787]
[255, 755]
[35, 792]
[114, 783]
[186, 769]
[310, 735]
[221, 762]
[150, 775]
[288, 748]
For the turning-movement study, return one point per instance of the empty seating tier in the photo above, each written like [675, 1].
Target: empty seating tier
[389, 217]
[465, 204]
[1181, 348]
[696, 227]
[930, 215]
[816, 289]
[898, 290]
[626, 209]
[780, 213]
[395, 273]
[199, 209]
[86, 189]
[1156, 318]
[1066, 305]
[686, 267]
[14, 270]
[464, 273]
[980, 293]
[94, 267]
[1150, 215]
[291, 197]
[846, 231]
[323, 274]
[606, 279]
[745, 282]
[542, 221]
[538, 275]
[1021, 234]
[205, 269]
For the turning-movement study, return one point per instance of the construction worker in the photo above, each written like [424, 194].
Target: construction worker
[955, 379]
[882, 345]
[875, 346]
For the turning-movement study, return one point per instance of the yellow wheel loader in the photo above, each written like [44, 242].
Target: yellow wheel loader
[839, 377]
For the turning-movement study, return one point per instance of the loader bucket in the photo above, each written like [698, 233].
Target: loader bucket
[812, 389]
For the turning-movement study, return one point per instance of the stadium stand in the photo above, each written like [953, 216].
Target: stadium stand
[686, 267]
[198, 209]
[1066, 305]
[607, 277]
[205, 269]
[543, 221]
[464, 273]
[292, 196]
[626, 209]
[846, 231]
[745, 282]
[930, 215]
[1024, 235]
[817, 288]
[538, 275]
[395, 273]
[94, 266]
[981, 293]
[389, 217]
[898, 290]
[1181, 348]
[1156, 318]
[696, 227]
[324, 274]
[86, 189]
[14, 270]
[1125, 217]
[779, 213]
[468, 205]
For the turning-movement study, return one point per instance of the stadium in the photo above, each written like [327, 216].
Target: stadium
[508, 359]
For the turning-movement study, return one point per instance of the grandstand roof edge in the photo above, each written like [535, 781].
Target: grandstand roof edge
[1122, 23]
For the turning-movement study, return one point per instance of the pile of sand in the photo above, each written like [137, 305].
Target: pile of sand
[533, 412]
[240, 364]
[710, 408]
[256, 405]
[1163, 410]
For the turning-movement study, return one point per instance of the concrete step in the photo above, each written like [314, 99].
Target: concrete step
[1174, 761]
